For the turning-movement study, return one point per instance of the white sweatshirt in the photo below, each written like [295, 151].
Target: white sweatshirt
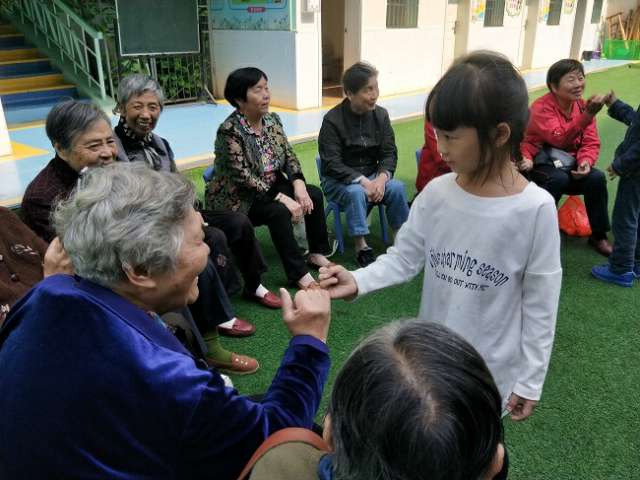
[492, 274]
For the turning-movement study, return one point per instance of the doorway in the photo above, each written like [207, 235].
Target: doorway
[333, 45]
[530, 27]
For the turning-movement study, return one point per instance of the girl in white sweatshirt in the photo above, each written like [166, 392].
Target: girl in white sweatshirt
[486, 238]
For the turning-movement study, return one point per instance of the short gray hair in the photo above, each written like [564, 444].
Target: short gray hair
[135, 85]
[69, 119]
[124, 215]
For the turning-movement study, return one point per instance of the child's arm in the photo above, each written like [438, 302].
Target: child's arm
[618, 110]
[627, 163]
[403, 261]
[540, 296]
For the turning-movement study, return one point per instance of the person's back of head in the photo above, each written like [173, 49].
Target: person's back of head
[415, 401]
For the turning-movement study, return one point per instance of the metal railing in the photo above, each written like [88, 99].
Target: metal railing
[65, 37]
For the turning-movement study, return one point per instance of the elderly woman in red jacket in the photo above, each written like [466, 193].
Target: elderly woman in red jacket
[561, 146]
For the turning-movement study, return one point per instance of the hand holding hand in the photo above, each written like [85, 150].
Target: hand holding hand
[56, 260]
[338, 281]
[520, 407]
[369, 187]
[595, 103]
[309, 313]
[525, 164]
[610, 98]
[297, 213]
[302, 196]
[582, 171]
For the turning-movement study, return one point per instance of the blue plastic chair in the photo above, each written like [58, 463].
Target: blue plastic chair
[208, 174]
[334, 207]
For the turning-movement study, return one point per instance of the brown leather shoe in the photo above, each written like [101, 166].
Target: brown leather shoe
[603, 247]
[241, 328]
[270, 299]
[239, 365]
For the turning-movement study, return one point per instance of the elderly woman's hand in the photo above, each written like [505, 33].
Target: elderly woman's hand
[595, 103]
[309, 313]
[302, 196]
[56, 260]
[297, 213]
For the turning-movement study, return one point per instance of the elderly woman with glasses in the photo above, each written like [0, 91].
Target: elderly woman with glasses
[97, 387]
[140, 104]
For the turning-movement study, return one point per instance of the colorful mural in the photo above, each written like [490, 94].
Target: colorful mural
[568, 6]
[478, 8]
[251, 14]
[514, 7]
[543, 12]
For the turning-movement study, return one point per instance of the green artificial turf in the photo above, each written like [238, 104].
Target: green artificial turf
[588, 423]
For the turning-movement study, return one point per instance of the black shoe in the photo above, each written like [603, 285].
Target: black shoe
[365, 257]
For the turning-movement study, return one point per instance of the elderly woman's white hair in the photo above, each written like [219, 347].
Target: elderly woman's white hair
[124, 215]
[135, 85]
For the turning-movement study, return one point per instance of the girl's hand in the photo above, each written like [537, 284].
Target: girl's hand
[302, 196]
[294, 207]
[338, 281]
[520, 407]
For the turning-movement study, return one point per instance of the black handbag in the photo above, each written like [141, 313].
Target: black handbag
[555, 157]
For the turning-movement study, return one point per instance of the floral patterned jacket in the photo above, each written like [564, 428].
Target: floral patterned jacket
[238, 180]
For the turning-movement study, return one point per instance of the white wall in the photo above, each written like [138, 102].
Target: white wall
[505, 39]
[5, 143]
[408, 59]
[615, 6]
[591, 31]
[552, 42]
[291, 60]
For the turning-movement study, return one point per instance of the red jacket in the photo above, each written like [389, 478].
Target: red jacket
[431, 164]
[549, 125]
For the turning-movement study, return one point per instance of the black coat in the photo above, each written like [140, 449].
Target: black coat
[352, 145]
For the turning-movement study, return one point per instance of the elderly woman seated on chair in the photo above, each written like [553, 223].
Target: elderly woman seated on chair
[95, 386]
[257, 173]
[140, 104]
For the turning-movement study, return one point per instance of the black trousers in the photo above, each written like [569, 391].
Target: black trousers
[594, 188]
[277, 218]
[212, 306]
[240, 238]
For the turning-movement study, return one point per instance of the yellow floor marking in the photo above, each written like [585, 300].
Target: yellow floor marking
[21, 151]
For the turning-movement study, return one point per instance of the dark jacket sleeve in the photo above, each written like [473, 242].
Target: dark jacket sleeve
[36, 215]
[228, 426]
[330, 149]
[172, 158]
[388, 149]
[622, 112]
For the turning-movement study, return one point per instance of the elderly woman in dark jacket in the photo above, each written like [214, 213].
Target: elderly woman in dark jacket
[140, 103]
[257, 173]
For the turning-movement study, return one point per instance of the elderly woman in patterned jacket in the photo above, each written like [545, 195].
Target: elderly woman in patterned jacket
[257, 173]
